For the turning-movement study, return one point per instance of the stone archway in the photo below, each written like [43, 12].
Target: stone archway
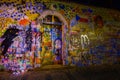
[64, 31]
[55, 13]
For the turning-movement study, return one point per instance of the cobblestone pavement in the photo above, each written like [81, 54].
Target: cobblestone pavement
[66, 74]
[51, 72]
[39, 75]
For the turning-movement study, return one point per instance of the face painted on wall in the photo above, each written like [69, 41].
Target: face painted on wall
[98, 21]
[75, 41]
[58, 44]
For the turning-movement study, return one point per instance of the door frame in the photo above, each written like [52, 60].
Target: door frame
[64, 31]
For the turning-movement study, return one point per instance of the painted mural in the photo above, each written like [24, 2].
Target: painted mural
[35, 33]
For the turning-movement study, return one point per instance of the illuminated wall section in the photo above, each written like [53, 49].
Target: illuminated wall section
[89, 35]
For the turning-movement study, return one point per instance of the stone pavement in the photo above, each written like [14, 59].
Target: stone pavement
[58, 72]
[49, 72]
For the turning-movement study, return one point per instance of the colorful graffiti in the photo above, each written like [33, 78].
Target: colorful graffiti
[34, 33]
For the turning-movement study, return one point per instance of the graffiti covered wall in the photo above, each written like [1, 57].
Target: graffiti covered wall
[91, 36]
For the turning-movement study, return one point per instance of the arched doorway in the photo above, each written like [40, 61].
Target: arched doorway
[53, 25]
